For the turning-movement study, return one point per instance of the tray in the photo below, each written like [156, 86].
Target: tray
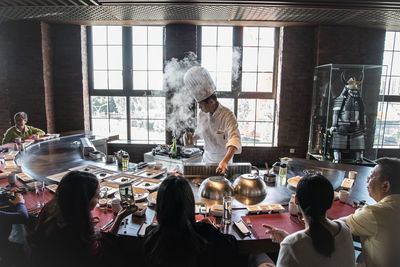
[147, 183]
[150, 173]
[101, 173]
[57, 177]
[25, 177]
[265, 208]
[347, 183]
[52, 188]
[122, 178]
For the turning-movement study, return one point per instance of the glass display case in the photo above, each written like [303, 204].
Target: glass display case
[345, 108]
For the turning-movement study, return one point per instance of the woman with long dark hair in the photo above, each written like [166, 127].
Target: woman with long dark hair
[64, 234]
[178, 240]
[323, 242]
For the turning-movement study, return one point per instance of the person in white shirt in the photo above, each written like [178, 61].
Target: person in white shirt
[216, 124]
[323, 242]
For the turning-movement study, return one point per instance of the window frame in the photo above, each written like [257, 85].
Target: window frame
[387, 98]
[127, 78]
[236, 93]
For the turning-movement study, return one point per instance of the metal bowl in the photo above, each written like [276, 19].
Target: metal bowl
[215, 188]
[249, 185]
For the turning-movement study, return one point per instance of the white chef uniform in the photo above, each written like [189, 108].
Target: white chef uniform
[219, 131]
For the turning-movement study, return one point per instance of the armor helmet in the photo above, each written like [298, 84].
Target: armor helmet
[199, 82]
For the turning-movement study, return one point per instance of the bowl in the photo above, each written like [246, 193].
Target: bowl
[215, 188]
[250, 185]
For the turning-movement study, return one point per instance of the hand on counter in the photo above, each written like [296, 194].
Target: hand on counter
[277, 235]
[18, 199]
[120, 216]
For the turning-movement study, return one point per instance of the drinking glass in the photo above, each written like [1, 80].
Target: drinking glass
[43, 191]
[103, 197]
[39, 192]
[227, 203]
[11, 178]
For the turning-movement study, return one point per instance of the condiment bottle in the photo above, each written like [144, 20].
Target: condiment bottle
[125, 161]
[282, 173]
[173, 149]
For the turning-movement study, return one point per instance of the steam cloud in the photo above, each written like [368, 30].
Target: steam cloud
[180, 117]
[235, 63]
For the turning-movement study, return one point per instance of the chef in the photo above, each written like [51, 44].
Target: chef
[216, 124]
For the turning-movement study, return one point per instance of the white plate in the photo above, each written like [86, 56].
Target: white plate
[122, 180]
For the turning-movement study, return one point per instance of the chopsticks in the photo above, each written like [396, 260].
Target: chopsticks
[107, 225]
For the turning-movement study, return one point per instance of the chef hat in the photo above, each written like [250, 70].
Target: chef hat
[199, 82]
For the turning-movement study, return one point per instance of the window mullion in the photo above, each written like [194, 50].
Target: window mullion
[127, 74]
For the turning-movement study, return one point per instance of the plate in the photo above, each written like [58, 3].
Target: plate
[123, 180]
[140, 193]
[216, 210]
[110, 190]
[152, 198]
[294, 181]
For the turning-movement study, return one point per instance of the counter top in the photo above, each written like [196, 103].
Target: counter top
[58, 155]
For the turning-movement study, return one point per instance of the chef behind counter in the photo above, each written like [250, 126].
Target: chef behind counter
[216, 124]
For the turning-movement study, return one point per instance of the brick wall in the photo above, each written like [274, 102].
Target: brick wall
[41, 74]
[298, 62]
[350, 45]
[22, 82]
[67, 77]
[22, 72]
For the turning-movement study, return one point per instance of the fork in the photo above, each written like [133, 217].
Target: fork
[250, 225]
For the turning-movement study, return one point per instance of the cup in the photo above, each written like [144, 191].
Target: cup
[103, 197]
[36, 137]
[352, 175]
[110, 159]
[18, 140]
[39, 191]
[227, 214]
[343, 196]
[116, 205]
[11, 178]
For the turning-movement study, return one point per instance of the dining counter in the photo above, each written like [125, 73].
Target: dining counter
[43, 159]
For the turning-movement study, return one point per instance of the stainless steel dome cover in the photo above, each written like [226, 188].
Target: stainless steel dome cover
[215, 188]
[249, 185]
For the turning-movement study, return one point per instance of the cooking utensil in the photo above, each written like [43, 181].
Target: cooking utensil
[250, 185]
[250, 225]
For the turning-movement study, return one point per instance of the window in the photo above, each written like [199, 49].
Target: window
[245, 84]
[388, 119]
[126, 82]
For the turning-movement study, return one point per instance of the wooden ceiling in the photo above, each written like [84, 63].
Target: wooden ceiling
[382, 14]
